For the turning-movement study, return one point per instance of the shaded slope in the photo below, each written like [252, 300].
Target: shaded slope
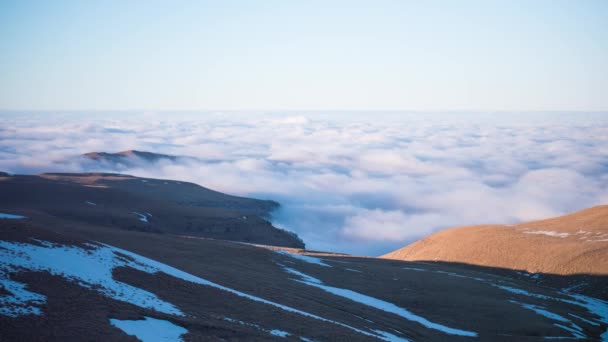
[132, 203]
[231, 291]
[570, 244]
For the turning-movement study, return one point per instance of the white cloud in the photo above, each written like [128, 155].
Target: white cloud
[365, 185]
[393, 225]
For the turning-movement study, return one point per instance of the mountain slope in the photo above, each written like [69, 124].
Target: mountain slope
[132, 203]
[109, 257]
[74, 282]
[570, 244]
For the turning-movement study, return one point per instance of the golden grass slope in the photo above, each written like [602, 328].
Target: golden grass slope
[570, 244]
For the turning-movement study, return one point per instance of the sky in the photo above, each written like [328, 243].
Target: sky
[304, 55]
[361, 183]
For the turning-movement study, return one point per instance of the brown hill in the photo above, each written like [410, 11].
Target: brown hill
[570, 244]
[142, 204]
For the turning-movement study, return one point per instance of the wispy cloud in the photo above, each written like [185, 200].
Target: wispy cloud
[362, 184]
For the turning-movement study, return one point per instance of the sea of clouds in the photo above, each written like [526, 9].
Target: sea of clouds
[363, 183]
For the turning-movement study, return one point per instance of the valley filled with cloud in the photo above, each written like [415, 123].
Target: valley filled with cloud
[361, 183]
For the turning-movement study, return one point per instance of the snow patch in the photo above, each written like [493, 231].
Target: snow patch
[575, 333]
[279, 333]
[88, 268]
[534, 276]
[11, 216]
[150, 329]
[542, 311]
[575, 286]
[381, 305]
[93, 269]
[413, 269]
[232, 320]
[521, 292]
[160, 267]
[388, 336]
[595, 306]
[451, 274]
[19, 301]
[142, 217]
[305, 258]
[275, 332]
[584, 319]
[548, 233]
[302, 275]
[575, 330]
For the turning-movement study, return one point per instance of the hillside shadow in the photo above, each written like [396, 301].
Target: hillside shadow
[594, 285]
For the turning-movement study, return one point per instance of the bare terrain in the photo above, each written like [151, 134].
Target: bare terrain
[570, 244]
[131, 203]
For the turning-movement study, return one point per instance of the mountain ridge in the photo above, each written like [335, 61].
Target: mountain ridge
[145, 204]
[568, 244]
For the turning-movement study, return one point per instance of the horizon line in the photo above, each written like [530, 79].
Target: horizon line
[598, 111]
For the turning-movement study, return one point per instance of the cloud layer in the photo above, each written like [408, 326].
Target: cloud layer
[361, 183]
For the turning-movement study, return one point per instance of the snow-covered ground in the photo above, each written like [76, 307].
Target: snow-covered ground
[301, 275]
[160, 267]
[92, 268]
[577, 331]
[279, 333]
[21, 301]
[305, 258]
[275, 332]
[378, 304]
[595, 306]
[592, 237]
[548, 233]
[151, 329]
[142, 217]
[10, 216]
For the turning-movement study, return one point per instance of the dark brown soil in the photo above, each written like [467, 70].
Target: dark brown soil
[73, 313]
[113, 200]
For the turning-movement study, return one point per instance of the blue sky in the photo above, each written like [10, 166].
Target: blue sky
[304, 55]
